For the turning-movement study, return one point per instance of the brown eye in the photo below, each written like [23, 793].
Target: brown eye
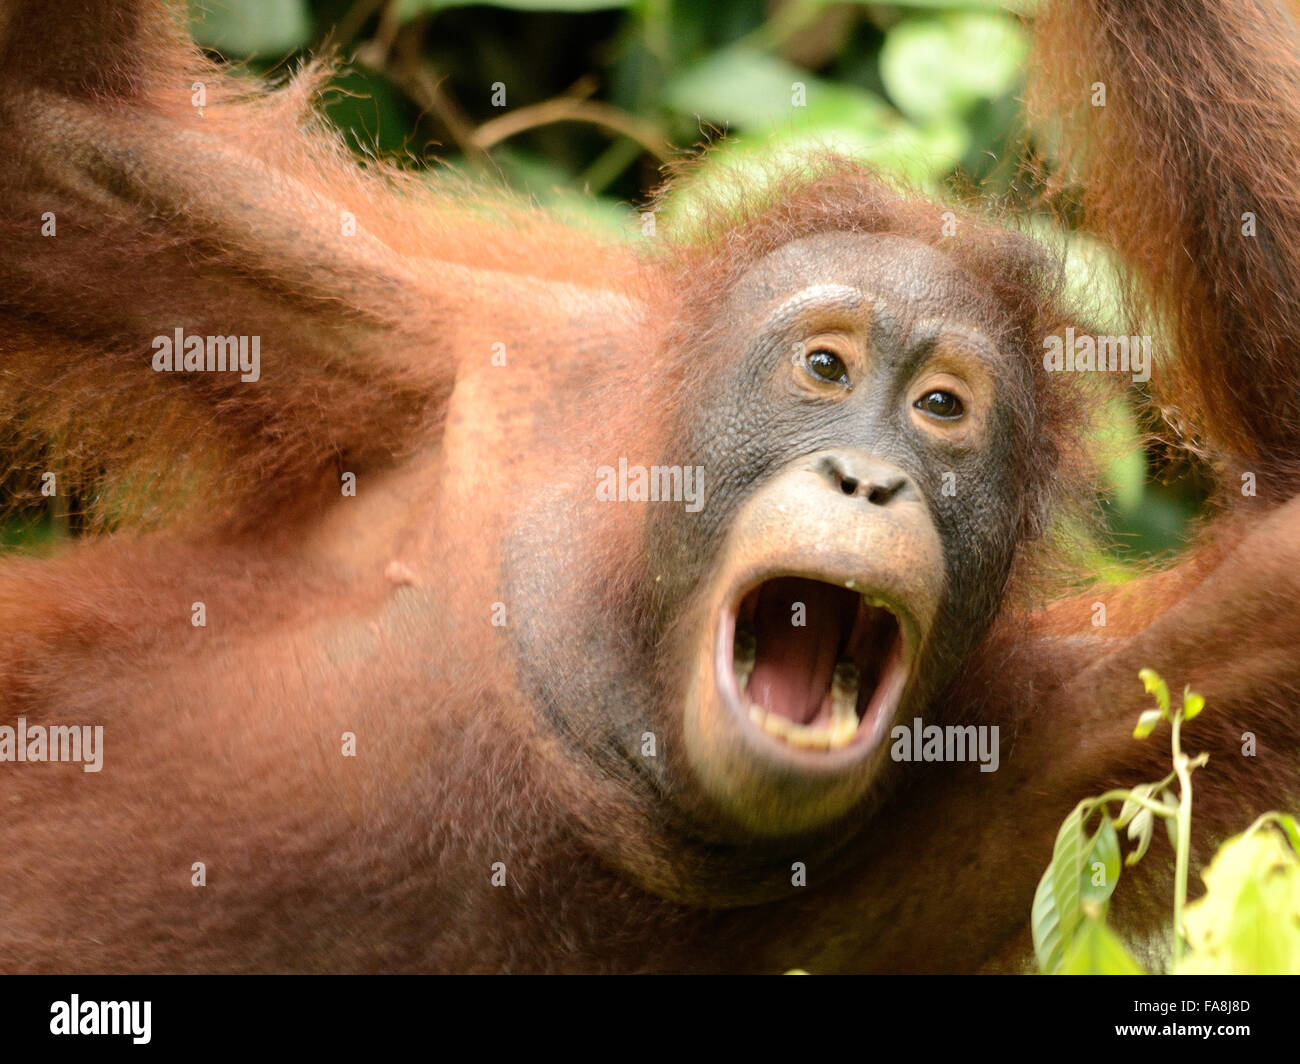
[940, 404]
[827, 366]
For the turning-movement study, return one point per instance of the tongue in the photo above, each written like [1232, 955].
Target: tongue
[792, 674]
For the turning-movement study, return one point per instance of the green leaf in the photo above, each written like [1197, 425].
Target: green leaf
[1097, 950]
[1140, 830]
[251, 27]
[1024, 7]
[1248, 921]
[1192, 703]
[743, 88]
[1131, 803]
[1147, 723]
[1056, 910]
[408, 9]
[739, 87]
[940, 68]
[749, 164]
[1102, 863]
[1156, 686]
[1045, 923]
[1120, 440]
[1287, 823]
[911, 154]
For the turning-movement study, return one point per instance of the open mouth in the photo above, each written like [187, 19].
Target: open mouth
[813, 665]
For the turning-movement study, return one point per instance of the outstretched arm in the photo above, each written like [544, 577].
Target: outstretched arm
[1182, 122]
[152, 202]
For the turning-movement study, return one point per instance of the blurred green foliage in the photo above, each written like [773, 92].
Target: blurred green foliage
[598, 94]
[924, 89]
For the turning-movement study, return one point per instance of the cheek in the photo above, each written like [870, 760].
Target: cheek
[737, 443]
[979, 526]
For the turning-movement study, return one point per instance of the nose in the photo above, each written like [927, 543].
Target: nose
[879, 483]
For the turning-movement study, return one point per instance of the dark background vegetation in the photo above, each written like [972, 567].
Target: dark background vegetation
[600, 93]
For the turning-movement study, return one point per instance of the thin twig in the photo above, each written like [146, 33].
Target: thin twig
[350, 24]
[568, 109]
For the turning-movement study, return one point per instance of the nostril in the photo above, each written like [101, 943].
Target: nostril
[874, 482]
[835, 472]
[883, 494]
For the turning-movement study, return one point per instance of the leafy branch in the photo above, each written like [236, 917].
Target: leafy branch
[1249, 919]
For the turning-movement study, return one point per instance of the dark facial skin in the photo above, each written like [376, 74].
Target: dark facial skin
[904, 321]
[825, 347]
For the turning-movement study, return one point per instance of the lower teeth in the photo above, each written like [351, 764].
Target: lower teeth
[836, 733]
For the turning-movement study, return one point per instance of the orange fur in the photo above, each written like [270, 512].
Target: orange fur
[328, 614]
